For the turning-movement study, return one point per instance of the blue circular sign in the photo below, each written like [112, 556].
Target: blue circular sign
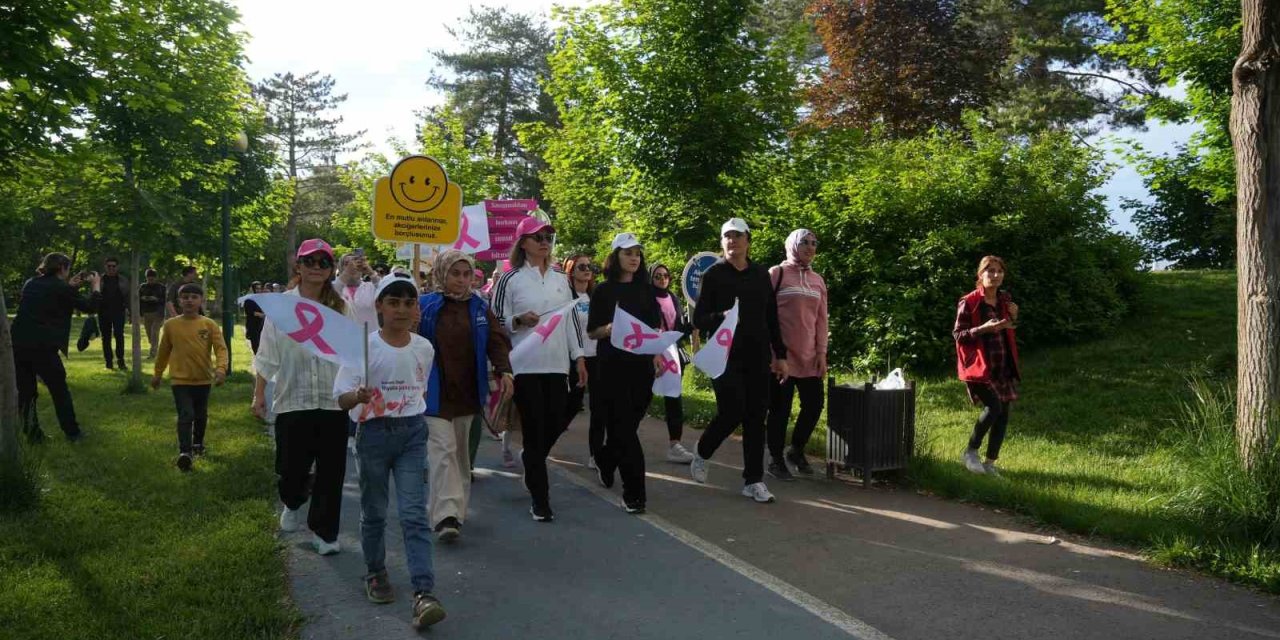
[691, 278]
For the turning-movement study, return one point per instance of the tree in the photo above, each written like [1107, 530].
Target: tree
[1255, 132]
[1183, 226]
[664, 103]
[904, 65]
[494, 87]
[306, 136]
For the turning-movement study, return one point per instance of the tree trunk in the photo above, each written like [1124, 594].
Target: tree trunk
[10, 452]
[1255, 134]
[135, 312]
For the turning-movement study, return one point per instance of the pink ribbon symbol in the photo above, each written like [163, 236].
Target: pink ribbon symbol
[637, 337]
[545, 330]
[667, 365]
[724, 338]
[311, 327]
[464, 236]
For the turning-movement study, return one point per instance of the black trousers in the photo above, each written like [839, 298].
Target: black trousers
[573, 404]
[628, 388]
[112, 326]
[45, 364]
[598, 406]
[780, 395]
[994, 419]
[742, 398]
[304, 437]
[192, 402]
[541, 398]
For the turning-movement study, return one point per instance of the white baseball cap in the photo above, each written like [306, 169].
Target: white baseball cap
[734, 224]
[391, 279]
[624, 241]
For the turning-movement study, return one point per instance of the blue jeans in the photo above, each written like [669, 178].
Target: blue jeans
[386, 447]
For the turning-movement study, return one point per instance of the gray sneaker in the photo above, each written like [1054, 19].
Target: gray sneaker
[698, 468]
[758, 492]
[972, 463]
[377, 588]
[426, 611]
[678, 454]
[990, 469]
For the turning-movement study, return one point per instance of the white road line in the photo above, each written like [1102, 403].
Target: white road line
[787, 591]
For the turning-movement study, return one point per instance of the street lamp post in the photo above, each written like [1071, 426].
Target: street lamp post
[239, 144]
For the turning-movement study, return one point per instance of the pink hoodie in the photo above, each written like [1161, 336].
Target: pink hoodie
[802, 310]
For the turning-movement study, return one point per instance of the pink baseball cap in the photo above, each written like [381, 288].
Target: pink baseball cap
[531, 225]
[505, 265]
[314, 245]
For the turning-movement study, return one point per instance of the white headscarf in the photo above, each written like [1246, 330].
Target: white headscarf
[793, 247]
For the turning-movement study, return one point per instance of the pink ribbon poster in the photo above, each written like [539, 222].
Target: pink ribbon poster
[504, 217]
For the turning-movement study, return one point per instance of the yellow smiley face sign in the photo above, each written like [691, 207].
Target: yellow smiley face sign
[417, 203]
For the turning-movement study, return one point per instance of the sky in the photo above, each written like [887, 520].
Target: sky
[378, 52]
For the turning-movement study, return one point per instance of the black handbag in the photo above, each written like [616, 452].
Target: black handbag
[88, 331]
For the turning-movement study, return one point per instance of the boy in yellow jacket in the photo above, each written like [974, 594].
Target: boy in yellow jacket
[185, 342]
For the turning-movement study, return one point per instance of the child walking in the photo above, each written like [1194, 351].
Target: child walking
[391, 440]
[185, 342]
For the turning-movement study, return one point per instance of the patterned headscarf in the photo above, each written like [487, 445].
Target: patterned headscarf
[793, 246]
[440, 271]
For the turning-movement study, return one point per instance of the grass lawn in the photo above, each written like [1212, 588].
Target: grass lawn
[123, 545]
[1094, 445]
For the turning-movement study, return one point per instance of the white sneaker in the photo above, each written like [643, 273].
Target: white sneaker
[972, 463]
[698, 468]
[678, 454]
[990, 469]
[351, 445]
[758, 492]
[591, 462]
[290, 520]
[325, 548]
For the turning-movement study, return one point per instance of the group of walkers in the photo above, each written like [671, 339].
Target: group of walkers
[435, 359]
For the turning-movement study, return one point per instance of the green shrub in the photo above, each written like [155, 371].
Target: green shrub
[903, 223]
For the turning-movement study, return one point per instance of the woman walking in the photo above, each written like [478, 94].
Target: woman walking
[987, 360]
[802, 318]
[468, 340]
[521, 298]
[582, 277]
[310, 426]
[41, 329]
[673, 319]
[626, 379]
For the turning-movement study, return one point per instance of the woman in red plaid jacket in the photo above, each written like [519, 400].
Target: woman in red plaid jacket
[987, 360]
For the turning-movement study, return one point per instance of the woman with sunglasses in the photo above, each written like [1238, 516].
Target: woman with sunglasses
[673, 319]
[310, 426]
[529, 291]
[626, 379]
[582, 277]
[802, 319]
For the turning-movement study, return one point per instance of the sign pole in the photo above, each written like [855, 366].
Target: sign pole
[417, 257]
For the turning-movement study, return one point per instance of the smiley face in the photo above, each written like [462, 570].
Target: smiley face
[418, 184]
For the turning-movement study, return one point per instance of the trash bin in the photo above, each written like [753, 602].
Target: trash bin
[869, 429]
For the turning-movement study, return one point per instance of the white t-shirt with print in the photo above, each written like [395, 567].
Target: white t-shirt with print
[398, 379]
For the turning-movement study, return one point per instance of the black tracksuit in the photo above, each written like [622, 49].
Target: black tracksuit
[742, 391]
[40, 330]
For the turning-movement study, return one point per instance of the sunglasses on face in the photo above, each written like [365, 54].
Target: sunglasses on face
[317, 262]
[587, 267]
[542, 237]
[661, 276]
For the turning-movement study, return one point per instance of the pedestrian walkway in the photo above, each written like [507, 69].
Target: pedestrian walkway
[828, 560]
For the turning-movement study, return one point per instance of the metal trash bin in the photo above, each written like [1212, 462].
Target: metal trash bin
[869, 429]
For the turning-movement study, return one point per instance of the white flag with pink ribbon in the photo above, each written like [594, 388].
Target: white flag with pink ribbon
[633, 336]
[714, 355]
[667, 384]
[549, 334]
[327, 334]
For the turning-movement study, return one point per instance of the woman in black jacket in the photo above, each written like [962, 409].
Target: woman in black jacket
[627, 384]
[673, 319]
[41, 329]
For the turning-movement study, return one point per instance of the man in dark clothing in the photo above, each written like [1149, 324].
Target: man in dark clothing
[151, 297]
[742, 391]
[115, 299]
[254, 318]
[41, 329]
[188, 276]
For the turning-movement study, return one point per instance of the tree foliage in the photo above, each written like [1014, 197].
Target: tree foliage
[1183, 225]
[494, 86]
[661, 106]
